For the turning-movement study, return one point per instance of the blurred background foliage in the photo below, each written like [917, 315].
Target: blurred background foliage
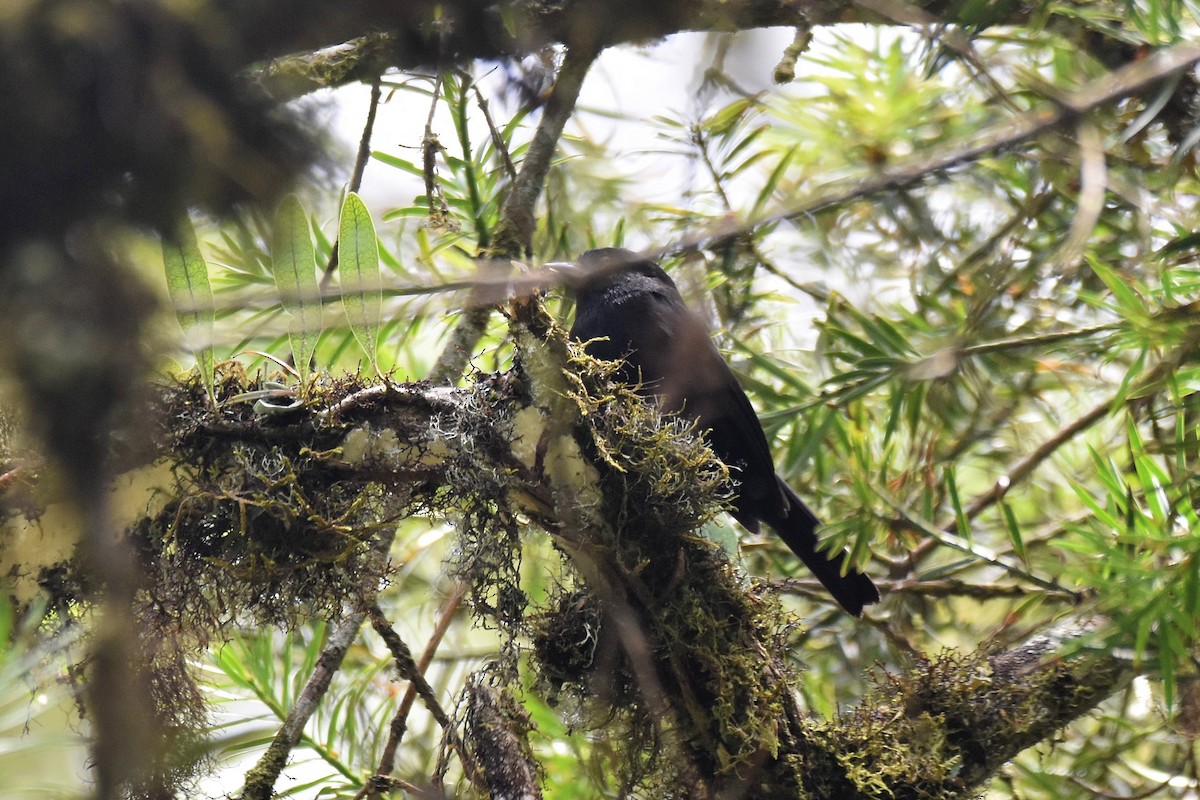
[987, 381]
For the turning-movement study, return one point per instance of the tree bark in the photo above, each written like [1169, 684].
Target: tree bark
[678, 637]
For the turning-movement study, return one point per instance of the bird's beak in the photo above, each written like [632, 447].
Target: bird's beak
[568, 273]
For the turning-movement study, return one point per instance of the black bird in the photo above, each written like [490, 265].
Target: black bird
[628, 309]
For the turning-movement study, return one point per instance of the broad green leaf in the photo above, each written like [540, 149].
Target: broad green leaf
[191, 294]
[358, 260]
[294, 263]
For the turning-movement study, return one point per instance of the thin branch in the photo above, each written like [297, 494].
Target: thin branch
[408, 669]
[816, 292]
[1134, 78]
[949, 587]
[1031, 209]
[1026, 465]
[950, 539]
[260, 780]
[356, 175]
[1038, 340]
[364, 143]
[494, 132]
[513, 236]
[514, 233]
[399, 723]
[439, 212]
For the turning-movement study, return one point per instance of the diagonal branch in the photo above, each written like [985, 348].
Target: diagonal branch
[399, 723]
[1135, 78]
[1025, 467]
[408, 669]
[513, 236]
[260, 780]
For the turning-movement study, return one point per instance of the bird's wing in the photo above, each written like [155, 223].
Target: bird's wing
[668, 349]
[699, 384]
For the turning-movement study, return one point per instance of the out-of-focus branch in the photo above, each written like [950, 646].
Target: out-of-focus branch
[328, 47]
[1132, 79]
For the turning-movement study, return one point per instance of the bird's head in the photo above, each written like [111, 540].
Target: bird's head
[599, 269]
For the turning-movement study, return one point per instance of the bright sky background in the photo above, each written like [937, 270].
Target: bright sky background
[639, 82]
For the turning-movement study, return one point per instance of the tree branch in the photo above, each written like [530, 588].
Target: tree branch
[925, 734]
[663, 608]
[1135, 78]
[513, 237]
[260, 780]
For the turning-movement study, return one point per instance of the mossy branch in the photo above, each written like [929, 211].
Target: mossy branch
[268, 518]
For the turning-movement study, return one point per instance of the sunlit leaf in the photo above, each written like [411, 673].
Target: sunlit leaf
[191, 294]
[294, 265]
[358, 262]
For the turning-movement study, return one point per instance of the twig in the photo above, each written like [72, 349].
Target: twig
[1031, 209]
[1128, 80]
[950, 587]
[816, 292]
[514, 231]
[439, 212]
[497, 139]
[408, 669]
[948, 538]
[399, 724]
[356, 175]
[1025, 467]
[1037, 340]
[364, 143]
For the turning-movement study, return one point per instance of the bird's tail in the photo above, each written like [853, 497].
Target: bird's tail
[853, 590]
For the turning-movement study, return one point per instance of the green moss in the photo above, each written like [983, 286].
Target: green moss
[714, 647]
[938, 730]
[262, 528]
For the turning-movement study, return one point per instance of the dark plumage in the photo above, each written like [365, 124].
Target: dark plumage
[628, 309]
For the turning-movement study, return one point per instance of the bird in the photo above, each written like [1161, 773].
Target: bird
[628, 310]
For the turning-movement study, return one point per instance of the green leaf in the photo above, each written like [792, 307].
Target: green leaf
[1128, 301]
[191, 294]
[1014, 532]
[294, 263]
[960, 515]
[358, 260]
